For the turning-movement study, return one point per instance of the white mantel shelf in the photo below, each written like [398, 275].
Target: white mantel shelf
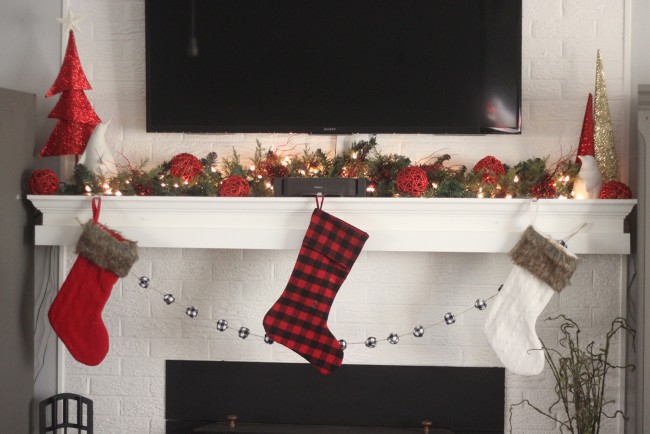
[394, 224]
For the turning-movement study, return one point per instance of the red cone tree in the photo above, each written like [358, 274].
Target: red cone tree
[77, 118]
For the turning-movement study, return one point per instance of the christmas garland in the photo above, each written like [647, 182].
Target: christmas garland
[387, 175]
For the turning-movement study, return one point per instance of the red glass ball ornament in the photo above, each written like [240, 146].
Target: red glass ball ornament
[545, 189]
[143, 190]
[615, 190]
[43, 181]
[490, 169]
[186, 166]
[235, 186]
[412, 180]
[276, 171]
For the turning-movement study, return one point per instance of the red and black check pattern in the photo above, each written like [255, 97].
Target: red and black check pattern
[298, 320]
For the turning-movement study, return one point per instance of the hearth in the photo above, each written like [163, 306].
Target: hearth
[286, 398]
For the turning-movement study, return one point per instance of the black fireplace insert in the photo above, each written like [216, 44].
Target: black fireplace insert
[287, 398]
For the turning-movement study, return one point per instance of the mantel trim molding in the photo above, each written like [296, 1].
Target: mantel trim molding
[394, 224]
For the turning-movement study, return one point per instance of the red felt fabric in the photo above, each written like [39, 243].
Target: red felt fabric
[76, 313]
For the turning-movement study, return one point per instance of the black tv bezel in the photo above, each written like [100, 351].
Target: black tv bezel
[331, 129]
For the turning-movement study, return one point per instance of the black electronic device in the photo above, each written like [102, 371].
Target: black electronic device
[341, 187]
[333, 66]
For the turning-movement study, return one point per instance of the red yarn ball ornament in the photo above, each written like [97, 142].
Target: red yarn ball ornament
[412, 180]
[43, 181]
[186, 166]
[615, 190]
[235, 186]
[490, 169]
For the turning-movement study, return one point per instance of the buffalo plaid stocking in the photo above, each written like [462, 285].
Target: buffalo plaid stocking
[298, 320]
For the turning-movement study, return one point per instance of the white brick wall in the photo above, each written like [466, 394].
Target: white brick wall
[385, 292]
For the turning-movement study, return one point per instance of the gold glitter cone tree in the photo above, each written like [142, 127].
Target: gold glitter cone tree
[603, 134]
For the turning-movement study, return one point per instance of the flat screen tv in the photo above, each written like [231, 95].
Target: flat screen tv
[334, 66]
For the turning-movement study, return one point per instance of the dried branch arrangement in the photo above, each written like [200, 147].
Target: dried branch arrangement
[580, 375]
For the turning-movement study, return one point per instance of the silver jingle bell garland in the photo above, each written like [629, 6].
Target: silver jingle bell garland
[371, 342]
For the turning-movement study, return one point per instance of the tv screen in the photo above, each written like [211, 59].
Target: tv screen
[334, 66]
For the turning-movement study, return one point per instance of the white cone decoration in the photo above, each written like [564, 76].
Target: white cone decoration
[589, 181]
[97, 155]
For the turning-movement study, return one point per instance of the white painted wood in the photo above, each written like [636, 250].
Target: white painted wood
[405, 224]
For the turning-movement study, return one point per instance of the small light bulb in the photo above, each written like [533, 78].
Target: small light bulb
[515, 179]
[105, 185]
[268, 185]
[118, 193]
[434, 185]
[87, 188]
[186, 182]
[176, 185]
[213, 169]
[252, 167]
[508, 196]
[302, 172]
[162, 184]
[354, 155]
[567, 179]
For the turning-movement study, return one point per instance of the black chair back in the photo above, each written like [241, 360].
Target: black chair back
[63, 411]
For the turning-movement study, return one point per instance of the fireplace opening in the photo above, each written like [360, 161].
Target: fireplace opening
[288, 398]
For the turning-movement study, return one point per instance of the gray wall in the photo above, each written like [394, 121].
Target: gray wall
[16, 268]
[639, 158]
[31, 50]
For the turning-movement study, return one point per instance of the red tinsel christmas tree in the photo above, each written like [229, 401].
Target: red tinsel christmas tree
[77, 118]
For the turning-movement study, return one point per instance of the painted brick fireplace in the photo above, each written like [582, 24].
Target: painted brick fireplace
[390, 289]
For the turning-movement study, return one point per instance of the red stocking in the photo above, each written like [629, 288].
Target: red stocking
[298, 320]
[76, 312]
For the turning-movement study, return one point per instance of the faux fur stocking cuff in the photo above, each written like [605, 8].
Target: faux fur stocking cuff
[545, 258]
[107, 249]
